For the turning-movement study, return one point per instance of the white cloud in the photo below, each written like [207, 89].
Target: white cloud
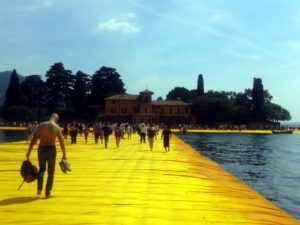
[118, 26]
[130, 15]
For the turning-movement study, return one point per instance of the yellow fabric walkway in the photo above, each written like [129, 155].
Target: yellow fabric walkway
[132, 185]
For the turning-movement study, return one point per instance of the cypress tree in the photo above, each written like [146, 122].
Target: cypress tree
[81, 89]
[13, 92]
[258, 100]
[200, 85]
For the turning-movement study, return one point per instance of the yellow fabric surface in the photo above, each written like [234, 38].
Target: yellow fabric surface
[132, 185]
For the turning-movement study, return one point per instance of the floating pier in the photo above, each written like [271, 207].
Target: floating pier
[132, 185]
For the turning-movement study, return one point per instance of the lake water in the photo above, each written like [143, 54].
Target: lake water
[270, 164]
[10, 135]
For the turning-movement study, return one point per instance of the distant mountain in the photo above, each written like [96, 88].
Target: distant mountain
[4, 82]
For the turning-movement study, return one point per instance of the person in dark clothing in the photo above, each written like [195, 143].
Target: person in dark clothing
[73, 130]
[118, 134]
[166, 135]
[98, 132]
[106, 133]
[143, 132]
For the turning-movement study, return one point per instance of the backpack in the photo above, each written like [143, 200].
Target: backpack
[29, 172]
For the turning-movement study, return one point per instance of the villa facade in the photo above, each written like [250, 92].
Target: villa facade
[142, 109]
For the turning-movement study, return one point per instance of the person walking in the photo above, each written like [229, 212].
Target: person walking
[128, 131]
[106, 133]
[73, 132]
[66, 131]
[166, 135]
[98, 132]
[118, 134]
[86, 132]
[47, 132]
[143, 132]
[151, 136]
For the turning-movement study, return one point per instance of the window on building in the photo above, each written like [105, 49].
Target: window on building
[178, 110]
[124, 110]
[170, 110]
[162, 110]
[113, 109]
[186, 110]
[146, 110]
[113, 102]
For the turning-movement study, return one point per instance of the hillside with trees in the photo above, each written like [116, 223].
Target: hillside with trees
[81, 96]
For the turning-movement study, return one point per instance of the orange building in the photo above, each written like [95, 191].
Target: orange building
[142, 109]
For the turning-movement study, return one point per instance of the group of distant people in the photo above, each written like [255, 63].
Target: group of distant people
[30, 129]
[102, 131]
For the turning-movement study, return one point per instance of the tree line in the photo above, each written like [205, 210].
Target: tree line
[252, 105]
[72, 96]
[81, 96]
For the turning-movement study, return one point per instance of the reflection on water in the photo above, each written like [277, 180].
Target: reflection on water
[270, 164]
[11, 135]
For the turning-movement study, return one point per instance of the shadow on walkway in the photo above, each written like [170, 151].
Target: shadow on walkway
[17, 200]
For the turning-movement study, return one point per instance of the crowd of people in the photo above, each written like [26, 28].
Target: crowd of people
[47, 132]
[101, 131]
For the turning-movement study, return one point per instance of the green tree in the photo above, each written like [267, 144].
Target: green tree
[34, 91]
[59, 84]
[276, 113]
[19, 112]
[213, 109]
[13, 91]
[179, 93]
[13, 96]
[200, 85]
[258, 101]
[221, 94]
[243, 103]
[267, 96]
[80, 92]
[33, 88]
[105, 82]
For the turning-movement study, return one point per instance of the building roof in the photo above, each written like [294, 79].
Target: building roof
[136, 97]
[146, 92]
[122, 97]
[169, 102]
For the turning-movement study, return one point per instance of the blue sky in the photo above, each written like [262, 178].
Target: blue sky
[160, 44]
